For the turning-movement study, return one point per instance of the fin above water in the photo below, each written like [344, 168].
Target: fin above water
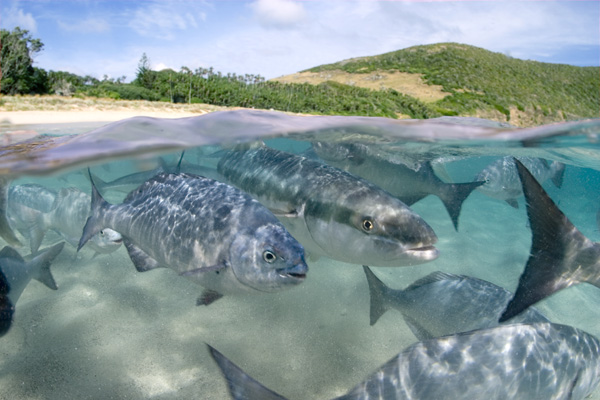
[241, 385]
[559, 252]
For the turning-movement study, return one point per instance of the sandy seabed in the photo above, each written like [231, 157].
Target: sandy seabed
[110, 332]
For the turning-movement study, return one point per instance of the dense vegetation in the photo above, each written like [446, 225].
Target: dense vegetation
[476, 79]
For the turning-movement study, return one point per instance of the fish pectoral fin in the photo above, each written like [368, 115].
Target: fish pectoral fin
[208, 297]
[140, 259]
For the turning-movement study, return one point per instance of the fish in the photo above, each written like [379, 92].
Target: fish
[6, 231]
[560, 256]
[502, 180]
[207, 231]
[408, 184]
[15, 275]
[442, 304]
[331, 212]
[35, 209]
[543, 361]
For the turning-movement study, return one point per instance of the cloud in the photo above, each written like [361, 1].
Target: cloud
[90, 25]
[14, 17]
[281, 14]
[163, 20]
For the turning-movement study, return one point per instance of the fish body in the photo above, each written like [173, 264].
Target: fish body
[330, 211]
[444, 304]
[208, 231]
[560, 255]
[541, 361]
[408, 184]
[502, 179]
[15, 275]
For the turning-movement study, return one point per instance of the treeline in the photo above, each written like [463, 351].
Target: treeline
[203, 85]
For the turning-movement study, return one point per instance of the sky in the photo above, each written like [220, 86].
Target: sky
[279, 37]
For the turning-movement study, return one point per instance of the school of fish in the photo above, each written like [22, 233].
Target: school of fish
[247, 225]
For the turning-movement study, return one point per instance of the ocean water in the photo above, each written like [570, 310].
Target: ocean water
[110, 332]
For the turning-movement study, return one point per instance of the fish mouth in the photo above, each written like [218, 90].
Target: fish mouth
[427, 253]
[297, 272]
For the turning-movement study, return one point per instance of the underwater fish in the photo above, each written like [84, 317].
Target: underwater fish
[502, 180]
[443, 304]
[6, 231]
[408, 184]
[15, 275]
[330, 211]
[34, 209]
[542, 361]
[560, 255]
[205, 230]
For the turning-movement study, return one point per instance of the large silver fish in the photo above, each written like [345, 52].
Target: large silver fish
[34, 209]
[560, 255]
[444, 304]
[330, 211]
[542, 361]
[15, 275]
[208, 231]
[502, 180]
[408, 184]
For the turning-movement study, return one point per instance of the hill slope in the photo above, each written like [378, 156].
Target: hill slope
[457, 79]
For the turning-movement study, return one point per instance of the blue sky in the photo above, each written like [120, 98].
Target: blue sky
[279, 37]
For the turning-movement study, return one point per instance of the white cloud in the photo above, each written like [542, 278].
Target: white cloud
[14, 17]
[90, 25]
[162, 20]
[279, 14]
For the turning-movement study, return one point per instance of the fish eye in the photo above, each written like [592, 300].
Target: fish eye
[102, 233]
[269, 256]
[367, 225]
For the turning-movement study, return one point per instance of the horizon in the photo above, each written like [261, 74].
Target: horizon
[273, 38]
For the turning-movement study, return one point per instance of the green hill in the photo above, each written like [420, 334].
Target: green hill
[478, 82]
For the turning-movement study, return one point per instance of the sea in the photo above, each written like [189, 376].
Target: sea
[110, 332]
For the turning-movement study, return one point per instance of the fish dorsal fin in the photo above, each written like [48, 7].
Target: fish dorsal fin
[417, 329]
[9, 252]
[241, 385]
[549, 268]
[140, 259]
[433, 277]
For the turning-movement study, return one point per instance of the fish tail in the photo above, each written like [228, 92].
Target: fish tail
[454, 194]
[41, 264]
[377, 293]
[97, 182]
[92, 225]
[241, 385]
[6, 231]
[554, 237]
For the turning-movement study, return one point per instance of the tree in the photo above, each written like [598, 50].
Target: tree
[145, 76]
[17, 75]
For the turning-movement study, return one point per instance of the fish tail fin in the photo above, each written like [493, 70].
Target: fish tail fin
[559, 173]
[453, 196]
[241, 385]
[377, 294]
[554, 241]
[97, 182]
[6, 231]
[92, 225]
[41, 264]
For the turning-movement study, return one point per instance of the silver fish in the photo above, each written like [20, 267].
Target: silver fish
[207, 231]
[15, 275]
[542, 361]
[6, 231]
[502, 180]
[444, 304]
[408, 184]
[330, 211]
[560, 255]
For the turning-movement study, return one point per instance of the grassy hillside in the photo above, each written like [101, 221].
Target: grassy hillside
[482, 83]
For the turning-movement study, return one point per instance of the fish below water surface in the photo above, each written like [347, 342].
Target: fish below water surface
[205, 230]
[502, 180]
[444, 304]
[15, 275]
[408, 184]
[331, 212]
[560, 255]
[542, 361]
